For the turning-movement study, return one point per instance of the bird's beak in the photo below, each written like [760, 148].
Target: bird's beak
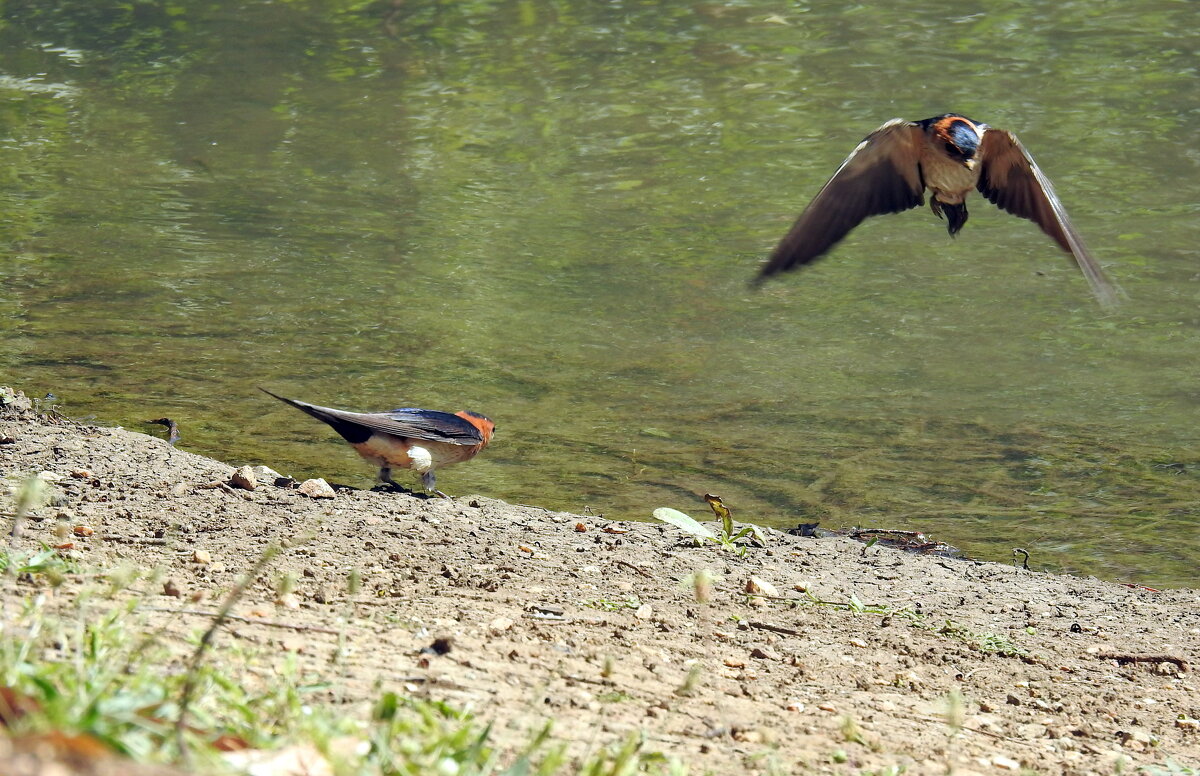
[970, 164]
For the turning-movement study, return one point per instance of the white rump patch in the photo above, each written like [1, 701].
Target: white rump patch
[422, 459]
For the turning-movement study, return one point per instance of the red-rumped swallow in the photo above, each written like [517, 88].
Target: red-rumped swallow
[890, 170]
[407, 438]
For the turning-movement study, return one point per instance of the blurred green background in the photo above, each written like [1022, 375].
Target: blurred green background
[549, 212]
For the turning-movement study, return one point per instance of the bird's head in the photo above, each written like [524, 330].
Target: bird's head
[482, 422]
[958, 137]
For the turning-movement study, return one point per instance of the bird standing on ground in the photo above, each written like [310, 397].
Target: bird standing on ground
[950, 154]
[406, 438]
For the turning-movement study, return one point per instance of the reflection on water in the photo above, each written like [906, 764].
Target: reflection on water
[549, 213]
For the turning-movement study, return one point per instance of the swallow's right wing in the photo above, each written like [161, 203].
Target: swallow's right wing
[1012, 181]
[355, 427]
[882, 175]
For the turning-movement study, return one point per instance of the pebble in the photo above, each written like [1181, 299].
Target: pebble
[317, 488]
[83, 530]
[244, 478]
[643, 612]
[500, 624]
[267, 474]
[1006, 763]
[764, 653]
[760, 586]
[203, 557]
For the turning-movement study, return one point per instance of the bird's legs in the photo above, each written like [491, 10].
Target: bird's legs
[428, 479]
[385, 476]
[956, 214]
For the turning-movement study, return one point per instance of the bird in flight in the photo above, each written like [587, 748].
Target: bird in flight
[950, 154]
[407, 438]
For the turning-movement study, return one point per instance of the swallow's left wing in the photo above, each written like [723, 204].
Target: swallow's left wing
[881, 175]
[430, 425]
[1012, 181]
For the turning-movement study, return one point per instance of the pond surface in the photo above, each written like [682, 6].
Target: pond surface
[549, 212]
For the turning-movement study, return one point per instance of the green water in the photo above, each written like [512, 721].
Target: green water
[548, 212]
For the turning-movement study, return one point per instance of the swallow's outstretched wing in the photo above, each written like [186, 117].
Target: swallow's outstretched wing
[429, 425]
[1012, 181]
[882, 175]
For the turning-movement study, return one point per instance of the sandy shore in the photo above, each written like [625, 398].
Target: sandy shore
[853, 664]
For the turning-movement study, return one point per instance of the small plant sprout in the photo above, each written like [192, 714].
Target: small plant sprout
[727, 539]
[691, 682]
[851, 732]
[30, 494]
[956, 711]
[285, 583]
[701, 584]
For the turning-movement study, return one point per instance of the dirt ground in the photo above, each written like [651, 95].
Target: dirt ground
[596, 625]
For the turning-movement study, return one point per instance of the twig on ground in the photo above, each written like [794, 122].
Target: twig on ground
[639, 570]
[967, 727]
[172, 429]
[1123, 659]
[248, 620]
[223, 614]
[774, 628]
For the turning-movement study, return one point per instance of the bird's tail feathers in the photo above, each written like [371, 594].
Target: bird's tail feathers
[352, 432]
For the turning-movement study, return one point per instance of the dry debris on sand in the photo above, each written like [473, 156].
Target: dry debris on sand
[860, 660]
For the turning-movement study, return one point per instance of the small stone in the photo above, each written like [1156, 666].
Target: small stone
[203, 557]
[217, 567]
[499, 624]
[244, 478]
[1012, 700]
[288, 601]
[1187, 723]
[267, 474]
[1006, 763]
[83, 530]
[764, 653]
[750, 736]
[735, 662]
[171, 589]
[643, 612]
[794, 706]
[858, 643]
[827, 707]
[317, 488]
[759, 586]
[82, 474]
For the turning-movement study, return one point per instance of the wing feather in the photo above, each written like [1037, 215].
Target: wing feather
[1012, 181]
[882, 175]
[429, 425]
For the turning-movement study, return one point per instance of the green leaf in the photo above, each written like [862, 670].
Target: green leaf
[682, 521]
